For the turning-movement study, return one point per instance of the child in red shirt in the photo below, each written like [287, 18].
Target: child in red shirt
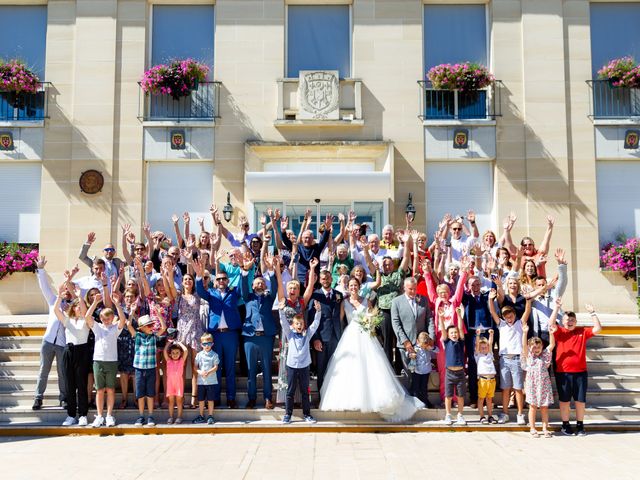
[571, 365]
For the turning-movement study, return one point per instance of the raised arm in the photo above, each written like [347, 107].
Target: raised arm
[84, 251]
[126, 229]
[88, 317]
[562, 273]
[525, 344]
[597, 326]
[56, 306]
[146, 290]
[45, 287]
[460, 312]
[187, 224]
[122, 318]
[276, 269]
[471, 216]
[492, 306]
[176, 228]
[506, 239]
[313, 263]
[546, 241]
[406, 256]
[340, 237]
[527, 312]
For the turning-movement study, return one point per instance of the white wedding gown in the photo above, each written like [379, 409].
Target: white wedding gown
[359, 377]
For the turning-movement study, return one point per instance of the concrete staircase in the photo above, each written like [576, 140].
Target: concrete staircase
[613, 396]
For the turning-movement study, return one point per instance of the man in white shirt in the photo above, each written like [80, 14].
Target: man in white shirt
[53, 341]
[461, 245]
[97, 280]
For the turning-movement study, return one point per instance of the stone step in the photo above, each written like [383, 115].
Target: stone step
[16, 416]
[613, 354]
[618, 367]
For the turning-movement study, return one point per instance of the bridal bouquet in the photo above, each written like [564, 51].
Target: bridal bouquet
[369, 320]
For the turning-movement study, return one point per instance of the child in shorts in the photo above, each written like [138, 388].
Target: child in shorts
[207, 362]
[105, 357]
[486, 372]
[175, 354]
[571, 365]
[453, 340]
[420, 376]
[144, 361]
[511, 374]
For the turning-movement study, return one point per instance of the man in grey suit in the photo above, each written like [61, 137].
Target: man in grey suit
[112, 264]
[410, 315]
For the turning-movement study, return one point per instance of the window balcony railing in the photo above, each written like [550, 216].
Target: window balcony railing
[349, 98]
[459, 105]
[203, 104]
[609, 102]
[25, 107]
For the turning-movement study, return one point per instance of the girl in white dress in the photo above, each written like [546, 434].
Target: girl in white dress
[359, 376]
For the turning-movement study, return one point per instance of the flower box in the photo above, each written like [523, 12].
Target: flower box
[177, 79]
[460, 76]
[621, 72]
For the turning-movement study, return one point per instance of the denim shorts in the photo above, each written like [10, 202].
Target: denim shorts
[511, 374]
[145, 382]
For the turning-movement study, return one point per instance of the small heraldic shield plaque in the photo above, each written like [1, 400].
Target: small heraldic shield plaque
[461, 138]
[631, 139]
[178, 141]
[6, 142]
[318, 95]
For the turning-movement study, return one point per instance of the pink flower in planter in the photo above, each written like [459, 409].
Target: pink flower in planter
[16, 77]
[460, 76]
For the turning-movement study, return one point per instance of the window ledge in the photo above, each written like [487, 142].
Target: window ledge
[319, 123]
[617, 121]
[179, 123]
[22, 124]
[478, 122]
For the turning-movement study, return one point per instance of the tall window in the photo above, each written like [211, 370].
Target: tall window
[181, 31]
[318, 38]
[618, 202]
[454, 33]
[457, 187]
[175, 187]
[23, 35]
[614, 32]
[20, 202]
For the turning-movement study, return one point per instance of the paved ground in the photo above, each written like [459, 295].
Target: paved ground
[322, 456]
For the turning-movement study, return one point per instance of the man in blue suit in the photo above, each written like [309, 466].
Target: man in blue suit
[224, 325]
[259, 330]
[326, 338]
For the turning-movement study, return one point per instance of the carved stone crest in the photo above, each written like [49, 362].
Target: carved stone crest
[318, 95]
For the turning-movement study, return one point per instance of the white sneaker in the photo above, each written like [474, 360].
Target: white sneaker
[503, 418]
[83, 422]
[110, 421]
[520, 419]
[448, 420]
[461, 420]
[68, 421]
[98, 421]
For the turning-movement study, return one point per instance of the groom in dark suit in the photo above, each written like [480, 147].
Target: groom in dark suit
[328, 335]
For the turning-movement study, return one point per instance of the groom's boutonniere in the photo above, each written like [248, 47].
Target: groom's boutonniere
[338, 297]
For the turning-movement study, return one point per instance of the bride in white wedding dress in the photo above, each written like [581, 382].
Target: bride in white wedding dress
[359, 376]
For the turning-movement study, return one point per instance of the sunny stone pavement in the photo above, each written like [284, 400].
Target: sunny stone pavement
[331, 456]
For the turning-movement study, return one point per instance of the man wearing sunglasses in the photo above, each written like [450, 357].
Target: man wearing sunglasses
[224, 324]
[111, 262]
[460, 245]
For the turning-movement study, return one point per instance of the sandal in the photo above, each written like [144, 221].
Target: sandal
[491, 419]
[547, 434]
[484, 420]
[178, 421]
[534, 433]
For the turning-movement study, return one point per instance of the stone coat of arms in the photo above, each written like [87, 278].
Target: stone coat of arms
[318, 95]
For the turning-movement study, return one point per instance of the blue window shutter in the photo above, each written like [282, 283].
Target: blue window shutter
[183, 31]
[318, 39]
[615, 32]
[454, 33]
[23, 35]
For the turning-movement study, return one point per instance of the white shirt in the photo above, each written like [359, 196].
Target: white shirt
[55, 330]
[87, 283]
[485, 363]
[461, 244]
[76, 331]
[510, 338]
[412, 304]
[106, 349]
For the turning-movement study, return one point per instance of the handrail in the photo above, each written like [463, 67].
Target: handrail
[203, 104]
[442, 104]
[607, 101]
[25, 106]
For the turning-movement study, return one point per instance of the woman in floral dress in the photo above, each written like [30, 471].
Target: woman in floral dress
[190, 327]
[535, 360]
